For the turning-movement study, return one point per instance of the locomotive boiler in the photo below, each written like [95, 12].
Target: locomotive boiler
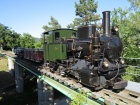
[92, 59]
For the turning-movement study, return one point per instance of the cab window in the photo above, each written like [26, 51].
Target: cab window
[73, 35]
[46, 37]
[57, 35]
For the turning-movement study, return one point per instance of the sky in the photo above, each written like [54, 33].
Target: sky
[29, 16]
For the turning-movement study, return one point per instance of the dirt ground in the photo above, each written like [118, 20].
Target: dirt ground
[5, 78]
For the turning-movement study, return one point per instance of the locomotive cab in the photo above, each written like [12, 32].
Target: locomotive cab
[55, 44]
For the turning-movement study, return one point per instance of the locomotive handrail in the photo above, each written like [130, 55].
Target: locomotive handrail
[135, 74]
[132, 74]
[133, 66]
[130, 58]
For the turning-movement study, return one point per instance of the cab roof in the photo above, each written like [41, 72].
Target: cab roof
[46, 32]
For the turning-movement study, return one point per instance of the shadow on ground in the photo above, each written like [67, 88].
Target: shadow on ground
[29, 96]
[10, 97]
[5, 79]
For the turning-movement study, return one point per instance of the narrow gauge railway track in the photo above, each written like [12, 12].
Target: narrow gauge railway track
[124, 97]
[35, 67]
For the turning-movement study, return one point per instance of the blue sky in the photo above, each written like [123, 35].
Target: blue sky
[28, 16]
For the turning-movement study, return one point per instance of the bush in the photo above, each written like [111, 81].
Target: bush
[80, 99]
[132, 74]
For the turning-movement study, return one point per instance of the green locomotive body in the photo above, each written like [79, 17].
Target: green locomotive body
[54, 43]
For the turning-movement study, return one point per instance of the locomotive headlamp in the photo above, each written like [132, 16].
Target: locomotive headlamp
[122, 61]
[116, 29]
[105, 64]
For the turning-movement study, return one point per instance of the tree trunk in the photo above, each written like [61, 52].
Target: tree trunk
[1, 47]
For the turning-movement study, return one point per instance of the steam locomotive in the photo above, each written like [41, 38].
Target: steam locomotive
[92, 59]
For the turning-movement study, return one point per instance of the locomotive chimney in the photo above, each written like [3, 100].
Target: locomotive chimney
[106, 23]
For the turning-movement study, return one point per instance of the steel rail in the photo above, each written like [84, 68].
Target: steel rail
[60, 87]
[68, 87]
[127, 97]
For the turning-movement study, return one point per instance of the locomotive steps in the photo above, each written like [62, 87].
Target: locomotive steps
[125, 97]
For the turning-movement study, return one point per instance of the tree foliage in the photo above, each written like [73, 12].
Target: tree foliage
[129, 30]
[133, 74]
[86, 9]
[39, 43]
[53, 24]
[76, 22]
[8, 38]
[80, 99]
[135, 5]
[27, 41]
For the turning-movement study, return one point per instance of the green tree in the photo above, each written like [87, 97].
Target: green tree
[134, 40]
[86, 9]
[76, 22]
[13, 39]
[27, 41]
[128, 23]
[39, 43]
[119, 18]
[132, 74]
[128, 30]
[8, 38]
[2, 35]
[53, 24]
[135, 5]
[132, 43]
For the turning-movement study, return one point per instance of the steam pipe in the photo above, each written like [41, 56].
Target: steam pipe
[106, 23]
